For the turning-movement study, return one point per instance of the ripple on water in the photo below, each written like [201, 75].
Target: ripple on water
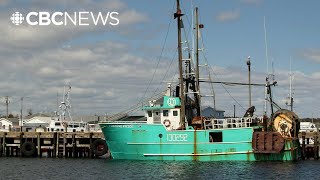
[47, 168]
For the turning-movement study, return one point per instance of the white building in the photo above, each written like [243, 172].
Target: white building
[9, 124]
[36, 122]
[5, 125]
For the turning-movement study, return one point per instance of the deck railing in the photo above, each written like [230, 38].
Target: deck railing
[125, 122]
[228, 123]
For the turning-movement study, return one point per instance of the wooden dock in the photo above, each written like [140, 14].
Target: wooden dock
[52, 144]
[309, 145]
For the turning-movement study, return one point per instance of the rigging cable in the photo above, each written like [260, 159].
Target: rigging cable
[165, 41]
[218, 76]
[188, 47]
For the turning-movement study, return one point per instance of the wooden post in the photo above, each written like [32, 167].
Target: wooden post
[49, 151]
[90, 151]
[73, 145]
[303, 150]
[39, 144]
[57, 147]
[17, 152]
[54, 149]
[64, 144]
[21, 142]
[11, 151]
[80, 152]
[315, 146]
[4, 143]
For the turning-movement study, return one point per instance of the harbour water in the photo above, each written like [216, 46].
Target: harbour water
[51, 168]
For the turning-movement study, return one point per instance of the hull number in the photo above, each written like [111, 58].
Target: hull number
[121, 126]
[177, 137]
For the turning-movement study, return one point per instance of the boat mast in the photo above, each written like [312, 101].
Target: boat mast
[197, 98]
[267, 59]
[178, 15]
[249, 79]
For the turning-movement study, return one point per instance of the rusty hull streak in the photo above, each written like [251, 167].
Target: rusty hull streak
[161, 158]
[195, 158]
[248, 155]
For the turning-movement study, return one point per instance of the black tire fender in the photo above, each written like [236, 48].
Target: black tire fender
[28, 148]
[99, 147]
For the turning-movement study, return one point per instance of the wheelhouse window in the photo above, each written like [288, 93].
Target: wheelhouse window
[165, 113]
[215, 137]
[175, 113]
[149, 114]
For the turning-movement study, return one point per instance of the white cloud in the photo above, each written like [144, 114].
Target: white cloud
[38, 61]
[304, 89]
[98, 73]
[28, 37]
[228, 16]
[311, 54]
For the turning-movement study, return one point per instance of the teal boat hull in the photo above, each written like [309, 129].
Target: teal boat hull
[137, 141]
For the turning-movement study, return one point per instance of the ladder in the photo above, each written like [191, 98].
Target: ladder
[61, 145]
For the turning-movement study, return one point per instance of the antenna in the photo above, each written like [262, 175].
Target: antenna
[272, 75]
[266, 44]
[65, 104]
[290, 79]
[290, 97]
[192, 32]
[267, 60]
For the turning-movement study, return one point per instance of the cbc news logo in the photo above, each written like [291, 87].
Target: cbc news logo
[81, 18]
[17, 18]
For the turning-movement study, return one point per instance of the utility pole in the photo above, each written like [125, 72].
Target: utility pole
[7, 105]
[21, 114]
[57, 100]
[249, 78]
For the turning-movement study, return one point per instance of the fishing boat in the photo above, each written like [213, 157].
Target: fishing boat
[175, 129]
[62, 123]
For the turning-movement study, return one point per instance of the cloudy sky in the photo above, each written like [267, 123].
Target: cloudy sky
[112, 68]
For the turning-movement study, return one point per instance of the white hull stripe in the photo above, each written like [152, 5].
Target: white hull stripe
[204, 154]
[176, 143]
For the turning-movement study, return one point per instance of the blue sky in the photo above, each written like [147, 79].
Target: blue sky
[291, 28]
[109, 68]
